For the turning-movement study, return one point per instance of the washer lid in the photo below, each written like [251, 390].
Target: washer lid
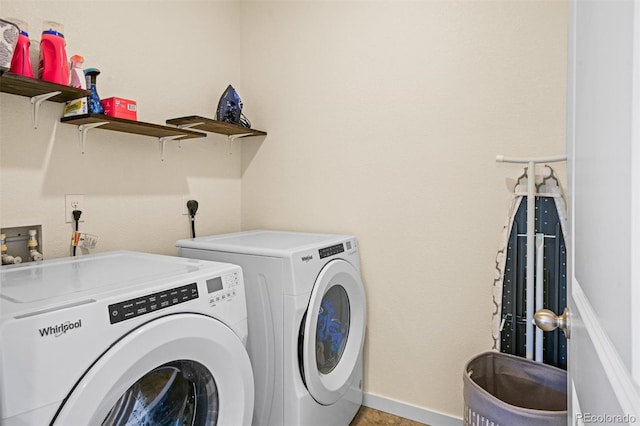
[262, 242]
[92, 275]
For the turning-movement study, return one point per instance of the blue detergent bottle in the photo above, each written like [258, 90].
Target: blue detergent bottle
[94, 105]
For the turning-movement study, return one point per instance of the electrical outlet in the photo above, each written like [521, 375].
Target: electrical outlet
[73, 202]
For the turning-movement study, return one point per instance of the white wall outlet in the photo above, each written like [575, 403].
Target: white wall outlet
[74, 202]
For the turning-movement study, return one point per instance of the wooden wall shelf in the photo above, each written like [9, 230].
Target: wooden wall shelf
[39, 91]
[31, 87]
[164, 134]
[132, 126]
[214, 126]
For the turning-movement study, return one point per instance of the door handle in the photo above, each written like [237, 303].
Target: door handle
[548, 321]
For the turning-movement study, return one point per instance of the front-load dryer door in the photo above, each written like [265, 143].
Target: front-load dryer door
[182, 369]
[334, 329]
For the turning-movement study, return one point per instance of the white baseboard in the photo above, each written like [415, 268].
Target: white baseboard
[408, 411]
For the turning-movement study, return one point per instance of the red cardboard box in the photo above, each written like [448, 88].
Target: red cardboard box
[120, 108]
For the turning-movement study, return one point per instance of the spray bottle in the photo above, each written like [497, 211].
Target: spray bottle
[77, 78]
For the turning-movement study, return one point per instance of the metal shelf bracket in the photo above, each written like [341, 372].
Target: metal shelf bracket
[190, 125]
[83, 129]
[164, 139]
[36, 101]
[236, 136]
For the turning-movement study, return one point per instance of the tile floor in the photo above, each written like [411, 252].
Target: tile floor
[370, 417]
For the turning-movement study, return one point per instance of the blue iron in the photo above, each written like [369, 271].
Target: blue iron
[230, 108]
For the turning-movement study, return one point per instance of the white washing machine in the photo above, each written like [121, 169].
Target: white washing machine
[124, 338]
[307, 316]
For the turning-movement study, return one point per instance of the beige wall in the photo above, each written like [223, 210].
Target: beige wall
[384, 121]
[175, 59]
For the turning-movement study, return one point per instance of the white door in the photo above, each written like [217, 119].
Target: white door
[185, 369]
[603, 149]
[333, 331]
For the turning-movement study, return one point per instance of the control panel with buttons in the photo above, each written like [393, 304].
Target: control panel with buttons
[330, 251]
[227, 290]
[133, 308]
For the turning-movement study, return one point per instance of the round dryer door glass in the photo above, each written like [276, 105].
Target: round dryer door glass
[332, 336]
[332, 328]
[178, 393]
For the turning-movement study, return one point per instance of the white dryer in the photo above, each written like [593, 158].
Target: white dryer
[124, 338]
[307, 315]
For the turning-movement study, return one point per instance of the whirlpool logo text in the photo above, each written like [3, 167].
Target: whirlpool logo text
[60, 329]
